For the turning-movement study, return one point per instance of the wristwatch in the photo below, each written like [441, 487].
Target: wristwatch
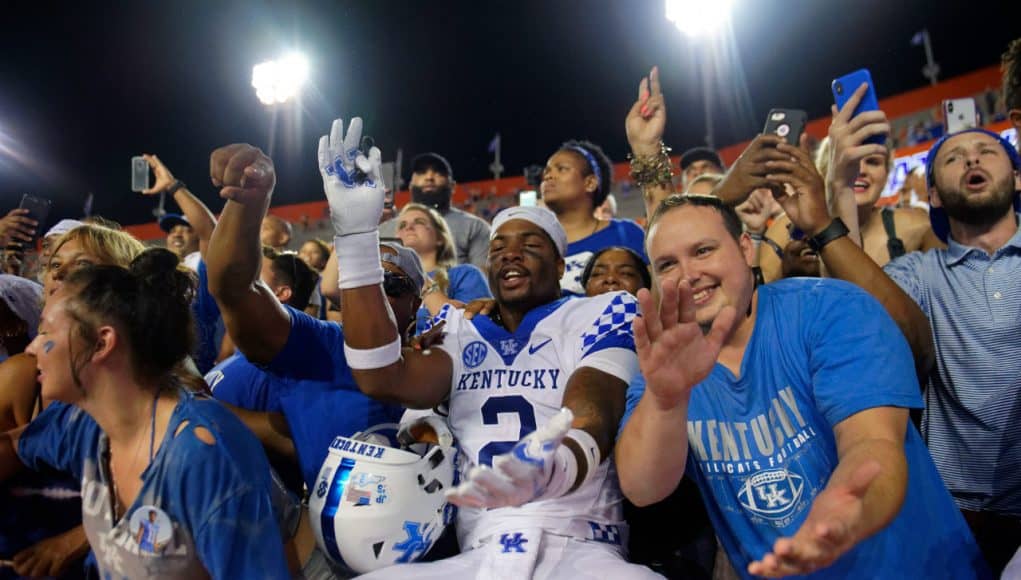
[173, 187]
[835, 230]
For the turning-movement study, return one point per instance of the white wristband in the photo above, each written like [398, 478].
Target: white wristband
[358, 260]
[565, 465]
[373, 358]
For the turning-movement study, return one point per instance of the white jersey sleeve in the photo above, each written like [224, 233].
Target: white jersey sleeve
[604, 335]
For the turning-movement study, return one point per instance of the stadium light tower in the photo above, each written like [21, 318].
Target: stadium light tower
[700, 20]
[278, 81]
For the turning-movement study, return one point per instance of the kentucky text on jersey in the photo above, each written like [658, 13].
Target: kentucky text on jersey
[774, 434]
[508, 378]
[366, 449]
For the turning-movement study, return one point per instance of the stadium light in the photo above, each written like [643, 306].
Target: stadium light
[277, 81]
[698, 18]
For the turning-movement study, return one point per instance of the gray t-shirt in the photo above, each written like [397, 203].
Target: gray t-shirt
[471, 236]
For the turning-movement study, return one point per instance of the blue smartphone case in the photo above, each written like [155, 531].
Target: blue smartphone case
[845, 86]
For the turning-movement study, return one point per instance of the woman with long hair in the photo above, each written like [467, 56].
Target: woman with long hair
[424, 230]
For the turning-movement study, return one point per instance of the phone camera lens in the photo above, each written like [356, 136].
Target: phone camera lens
[950, 107]
[839, 87]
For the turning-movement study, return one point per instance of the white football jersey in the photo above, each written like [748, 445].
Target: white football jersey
[506, 384]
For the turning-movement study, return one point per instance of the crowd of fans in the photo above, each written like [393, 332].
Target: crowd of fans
[773, 377]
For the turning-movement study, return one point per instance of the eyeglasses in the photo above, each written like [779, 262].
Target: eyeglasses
[397, 285]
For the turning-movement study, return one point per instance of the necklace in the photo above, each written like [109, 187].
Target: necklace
[114, 501]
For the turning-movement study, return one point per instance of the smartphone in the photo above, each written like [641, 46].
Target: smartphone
[959, 114]
[139, 174]
[528, 198]
[38, 209]
[846, 85]
[786, 123]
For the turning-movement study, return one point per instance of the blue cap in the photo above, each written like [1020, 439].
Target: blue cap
[168, 221]
[937, 215]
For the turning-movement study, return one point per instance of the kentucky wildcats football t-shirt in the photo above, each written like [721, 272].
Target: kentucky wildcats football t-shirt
[762, 446]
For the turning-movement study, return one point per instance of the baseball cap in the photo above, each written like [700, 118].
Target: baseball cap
[701, 154]
[24, 298]
[937, 215]
[436, 161]
[408, 261]
[62, 227]
[168, 221]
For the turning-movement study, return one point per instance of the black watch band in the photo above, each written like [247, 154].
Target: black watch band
[835, 230]
[172, 189]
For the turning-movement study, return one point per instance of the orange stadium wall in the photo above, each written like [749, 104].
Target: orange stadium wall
[906, 158]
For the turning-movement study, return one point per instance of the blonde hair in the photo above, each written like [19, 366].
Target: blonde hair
[446, 256]
[110, 246]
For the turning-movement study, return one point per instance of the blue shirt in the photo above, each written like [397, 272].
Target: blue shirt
[619, 233]
[762, 446]
[467, 283]
[216, 497]
[310, 383]
[208, 322]
[972, 422]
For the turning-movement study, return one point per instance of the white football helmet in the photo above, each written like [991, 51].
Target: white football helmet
[378, 501]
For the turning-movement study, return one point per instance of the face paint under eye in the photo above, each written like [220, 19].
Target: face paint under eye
[48, 345]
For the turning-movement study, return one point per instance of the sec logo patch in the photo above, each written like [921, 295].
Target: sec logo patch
[474, 354]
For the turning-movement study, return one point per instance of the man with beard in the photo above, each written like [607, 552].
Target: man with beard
[432, 184]
[969, 294]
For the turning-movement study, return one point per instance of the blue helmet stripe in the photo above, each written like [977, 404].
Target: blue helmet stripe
[330, 507]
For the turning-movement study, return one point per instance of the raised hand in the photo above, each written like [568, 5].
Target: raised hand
[352, 181]
[243, 172]
[673, 352]
[646, 120]
[803, 194]
[833, 527]
[518, 476]
[847, 139]
[17, 226]
[164, 179]
[748, 173]
[756, 210]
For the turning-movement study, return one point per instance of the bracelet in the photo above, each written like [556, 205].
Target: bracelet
[652, 169]
[835, 230]
[373, 358]
[172, 189]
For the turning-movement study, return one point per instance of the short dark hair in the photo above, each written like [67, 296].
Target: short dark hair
[601, 160]
[1010, 64]
[292, 271]
[730, 219]
[643, 270]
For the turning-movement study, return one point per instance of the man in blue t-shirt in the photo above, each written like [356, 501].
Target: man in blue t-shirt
[290, 382]
[793, 399]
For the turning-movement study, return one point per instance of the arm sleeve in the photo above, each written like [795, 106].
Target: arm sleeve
[467, 283]
[59, 438]
[905, 272]
[608, 343]
[858, 358]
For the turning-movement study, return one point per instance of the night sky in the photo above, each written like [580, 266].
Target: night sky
[85, 87]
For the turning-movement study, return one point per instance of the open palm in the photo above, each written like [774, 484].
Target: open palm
[673, 352]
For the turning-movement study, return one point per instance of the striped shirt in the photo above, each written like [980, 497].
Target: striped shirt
[972, 418]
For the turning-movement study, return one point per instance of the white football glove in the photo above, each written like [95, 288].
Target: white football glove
[354, 191]
[352, 181]
[518, 476]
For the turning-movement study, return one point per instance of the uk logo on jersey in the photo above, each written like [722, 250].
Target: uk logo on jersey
[772, 493]
[474, 354]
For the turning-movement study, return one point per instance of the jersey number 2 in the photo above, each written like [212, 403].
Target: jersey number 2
[491, 411]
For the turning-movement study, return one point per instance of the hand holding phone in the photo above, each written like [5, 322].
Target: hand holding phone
[139, 174]
[38, 210]
[17, 226]
[788, 124]
[844, 89]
